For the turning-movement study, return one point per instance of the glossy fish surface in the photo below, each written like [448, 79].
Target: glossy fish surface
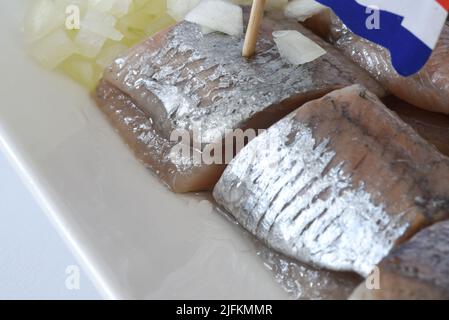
[138, 132]
[418, 269]
[186, 81]
[428, 89]
[432, 126]
[338, 183]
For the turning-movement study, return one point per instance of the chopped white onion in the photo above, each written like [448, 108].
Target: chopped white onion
[206, 30]
[106, 29]
[117, 8]
[303, 9]
[120, 8]
[101, 5]
[53, 49]
[89, 43]
[296, 48]
[109, 53]
[102, 24]
[43, 18]
[178, 9]
[218, 15]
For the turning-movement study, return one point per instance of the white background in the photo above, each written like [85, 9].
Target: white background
[33, 258]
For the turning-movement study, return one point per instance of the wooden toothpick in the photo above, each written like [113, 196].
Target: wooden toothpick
[249, 47]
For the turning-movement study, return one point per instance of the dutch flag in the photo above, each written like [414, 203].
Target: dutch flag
[408, 28]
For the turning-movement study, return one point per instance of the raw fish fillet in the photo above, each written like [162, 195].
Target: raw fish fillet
[305, 282]
[432, 126]
[338, 183]
[138, 131]
[418, 269]
[182, 80]
[428, 89]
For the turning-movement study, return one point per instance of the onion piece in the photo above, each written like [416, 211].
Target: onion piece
[303, 9]
[160, 23]
[117, 8]
[218, 15]
[101, 5]
[102, 24]
[120, 8]
[107, 28]
[206, 30]
[53, 49]
[178, 9]
[42, 19]
[88, 43]
[109, 53]
[296, 48]
[82, 70]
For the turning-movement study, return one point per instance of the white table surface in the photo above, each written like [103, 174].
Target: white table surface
[33, 257]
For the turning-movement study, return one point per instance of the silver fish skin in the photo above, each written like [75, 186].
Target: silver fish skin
[418, 269]
[427, 89]
[336, 184]
[432, 126]
[303, 282]
[137, 130]
[184, 81]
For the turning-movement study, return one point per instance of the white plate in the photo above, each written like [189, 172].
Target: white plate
[134, 237]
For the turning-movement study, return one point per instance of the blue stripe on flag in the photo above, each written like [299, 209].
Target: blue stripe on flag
[408, 53]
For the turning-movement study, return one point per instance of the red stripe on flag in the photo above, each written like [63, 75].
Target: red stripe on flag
[444, 3]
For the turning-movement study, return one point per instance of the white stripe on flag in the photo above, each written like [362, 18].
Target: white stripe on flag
[423, 18]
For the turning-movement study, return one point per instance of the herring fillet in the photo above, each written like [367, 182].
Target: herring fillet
[428, 89]
[432, 126]
[185, 81]
[305, 282]
[338, 183]
[418, 269]
[138, 132]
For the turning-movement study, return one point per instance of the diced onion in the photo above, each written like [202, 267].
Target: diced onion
[89, 44]
[53, 49]
[120, 8]
[42, 19]
[303, 9]
[218, 15]
[296, 48]
[102, 24]
[206, 30]
[107, 29]
[178, 9]
[109, 53]
[117, 8]
[82, 70]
